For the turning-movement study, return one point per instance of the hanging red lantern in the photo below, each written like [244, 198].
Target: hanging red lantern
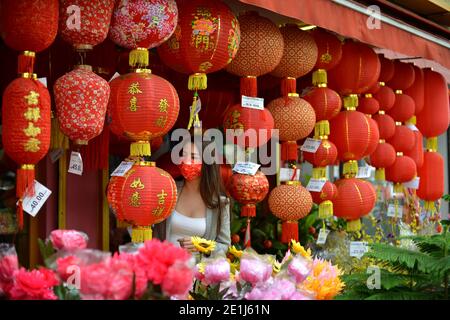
[386, 69]
[26, 130]
[417, 90]
[290, 202]
[329, 49]
[374, 137]
[403, 108]
[147, 196]
[141, 25]
[144, 106]
[295, 119]
[416, 152]
[385, 97]
[325, 155]
[114, 196]
[92, 25]
[386, 125]
[356, 198]
[403, 76]
[403, 170]
[248, 190]
[403, 138]
[81, 99]
[326, 196]
[383, 157]
[368, 104]
[431, 186]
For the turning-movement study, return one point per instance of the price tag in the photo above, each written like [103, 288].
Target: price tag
[116, 75]
[32, 204]
[249, 168]
[76, 163]
[316, 185]
[56, 154]
[311, 145]
[123, 168]
[43, 81]
[358, 248]
[286, 174]
[364, 172]
[394, 212]
[322, 237]
[412, 127]
[413, 184]
[252, 103]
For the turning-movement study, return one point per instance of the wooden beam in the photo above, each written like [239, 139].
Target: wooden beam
[444, 4]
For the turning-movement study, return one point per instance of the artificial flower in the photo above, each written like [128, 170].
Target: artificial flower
[299, 249]
[68, 239]
[178, 280]
[64, 266]
[217, 271]
[36, 284]
[255, 270]
[299, 268]
[234, 266]
[235, 252]
[202, 245]
[274, 289]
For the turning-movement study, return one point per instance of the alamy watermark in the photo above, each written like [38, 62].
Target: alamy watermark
[374, 20]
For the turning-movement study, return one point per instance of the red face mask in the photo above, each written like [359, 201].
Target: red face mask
[190, 171]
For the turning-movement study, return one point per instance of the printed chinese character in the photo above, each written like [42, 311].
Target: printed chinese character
[31, 130]
[32, 98]
[158, 211]
[134, 88]
[135, 199]
[32, 114]
[162, 197]
[163, 105]
[133, 104]
[137, 184]
[32, 145]
[161, 121]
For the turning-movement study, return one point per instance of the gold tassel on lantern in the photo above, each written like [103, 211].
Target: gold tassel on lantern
[139, 57]
[325, 209]
[197, 81]
[353, 225]
[351, 168]
[319, 173]
[319, 78]
[140, 149]
[380, 174]
[398, 188]
[141, 234]
[432, 144]
[351, 102]
[322, 129]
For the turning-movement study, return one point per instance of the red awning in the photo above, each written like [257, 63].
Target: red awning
[352, 24]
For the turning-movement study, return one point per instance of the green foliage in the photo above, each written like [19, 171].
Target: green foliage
[46, 249]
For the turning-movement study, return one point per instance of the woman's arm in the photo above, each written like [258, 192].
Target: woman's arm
[223, 238]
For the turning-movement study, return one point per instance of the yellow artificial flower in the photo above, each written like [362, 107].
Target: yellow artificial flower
[203, 245]
[201, 267]
[276, 266]
[235, 252]
[234, 266]
[324, 281]
[299, 249]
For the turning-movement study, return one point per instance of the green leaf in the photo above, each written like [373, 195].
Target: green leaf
[400, 295]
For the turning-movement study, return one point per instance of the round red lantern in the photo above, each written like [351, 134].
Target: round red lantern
[329, 49]
[356, 198]
[325, 155]
[386, 69]
[403, 138]
[403, 76]
[374, 137]
[368, 104]
[431, 187]
[26, 131]
[403, 170]
[81, 99]
[385, 97]
[114, 196]
[386, 125]
[325, 199]
[295, 119]
[141, 25]
[248, 190]
[403, 108]
[383, 156]
[145, 107]
[417, 90]
[147, 196]
[290, 202]
[416, 152]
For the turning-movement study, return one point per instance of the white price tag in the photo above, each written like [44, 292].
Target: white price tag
[116, 75]
[316, 185]
[412, 127]
[32, 204]
[395, 211]
[123, 168]
[358, 248]
[249, 168]
[311, 145]
[365, 172]
[43, 81]
[287, 173]
[76, 163]
[322, 237]
[413, 184]
[252, 103]
[56, 154]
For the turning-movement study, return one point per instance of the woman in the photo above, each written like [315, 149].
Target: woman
[201, 210]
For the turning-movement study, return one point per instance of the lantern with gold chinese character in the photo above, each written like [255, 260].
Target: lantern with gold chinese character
[147, 195]
[329, 49]
[143, 106]
[26, 130]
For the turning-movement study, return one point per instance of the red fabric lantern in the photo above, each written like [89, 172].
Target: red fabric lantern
[349, 77]
[290, 202]
[295, 119]
[94, 20]
[403, 76]
[386, 125]
[386, 70]
[403, 139]
[368, 104]
[416, 152]
[374, 137]
[114, 196]
[356, 198]
[325, 199]
[145, 107]
[417, 90]
[141, 25]
[403, 170]
[81, 99]
[329, 49]
[147, 196]
[248, 190]
[383, 156]
[431, 186]
[26, 131]
[403, 108]
[325, 155]
[385, 97]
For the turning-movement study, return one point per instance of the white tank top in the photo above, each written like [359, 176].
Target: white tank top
[183, 226]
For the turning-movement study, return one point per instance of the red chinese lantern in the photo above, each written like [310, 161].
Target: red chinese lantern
[368, 104]
[141, 25]
[26, 131]
[329, 49]
[374, 137]
[417, 90]
[325, 199]
[386, 69]
[295, 119]
[356, 198]
[386, 125]
[383, 157]
[403, 170]
[81, 99]
[403, 108]
[29, 26]
[290, 202]
[403, 138]
[325, 155]
[431, 186]
[144, 106]
[114, 196]
[403, 76]
[147, 196]
[385, 97]
[416, 152]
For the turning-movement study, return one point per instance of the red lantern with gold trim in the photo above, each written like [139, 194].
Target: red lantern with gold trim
[374, 137]
[147, 196]
[356, 198]
[329, 49]
[431, 186]
[368, 104]
[383, 157]
[385, 97]
[145, 106]
[328, 193]
[325, 155]
[416, 152]
[114, 196]
[417, 90]
[386, 125]
[26, 131]
[403, 76]
[387, 69]
[403, 108]
[403, 139]
[403, 170]
[325, 197]
[290, 202]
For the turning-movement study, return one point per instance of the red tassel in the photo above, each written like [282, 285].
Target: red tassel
[248, 210]
[289, 231]
[95, 155]
[248, 236]
[26, 62]
[24, 185]
[19, 215]
[288, 85]
[249, 86]
[289, 151]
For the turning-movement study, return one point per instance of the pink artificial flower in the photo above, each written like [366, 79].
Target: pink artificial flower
[63, 266]
[34, 285]
[255, 271]
[68, 239]
[178, 280]
[274, 289]
[217, 271]
[299, 268]
[139, 273]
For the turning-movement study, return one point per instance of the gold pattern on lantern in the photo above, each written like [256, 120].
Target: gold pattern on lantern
[161, 121]
[31, 130]
[32, 114]
[162, 197]
[137, 184]
[32, 145]
[133, 104]
[135, 200]
[326, 58]
[157, 211]
[134, 88]
[32, 98]
[163, 105]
